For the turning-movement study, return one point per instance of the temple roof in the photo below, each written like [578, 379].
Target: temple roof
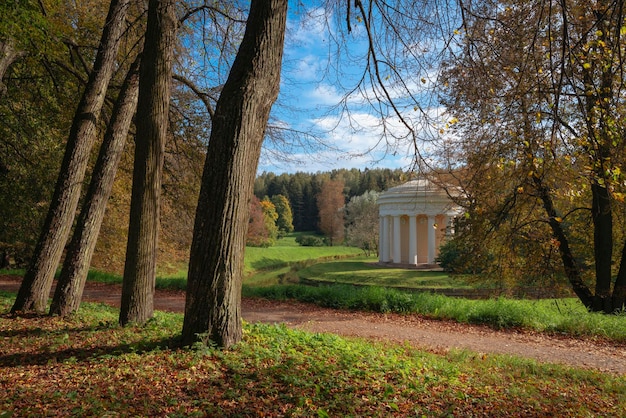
[416, 196]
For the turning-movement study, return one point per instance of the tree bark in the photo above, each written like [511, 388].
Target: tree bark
[213, 302]
[8, 54]
[603, 247]
[69, 290]
[152, 119]
[35, 288]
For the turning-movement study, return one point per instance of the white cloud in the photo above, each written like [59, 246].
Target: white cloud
[323, 94]
[308, 67]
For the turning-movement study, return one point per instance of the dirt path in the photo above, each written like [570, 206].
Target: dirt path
[429, 334]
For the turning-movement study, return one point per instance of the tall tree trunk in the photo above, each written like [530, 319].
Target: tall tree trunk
[69, 290]
[35, 288]
[152, 117]
[601, 134]
[213, 303]
[603, 247]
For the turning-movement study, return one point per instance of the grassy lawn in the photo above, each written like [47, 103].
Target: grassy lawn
[364, 271]
[287, 251]
[89, 366]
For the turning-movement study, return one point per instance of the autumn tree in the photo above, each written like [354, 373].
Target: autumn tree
[262, 229]
[552, 122]
[30, 151]
[152, 122]
[284, 222]
[331, 202]
[35, 288]
[257, 235]
[213, 297]
[270, 217]
[362, 222]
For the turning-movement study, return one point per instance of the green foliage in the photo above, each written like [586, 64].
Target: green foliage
[455, 257]
[362, 222]
[40, 91]
[89, 366]
[284, 222]
[311, 241]
[24, 22]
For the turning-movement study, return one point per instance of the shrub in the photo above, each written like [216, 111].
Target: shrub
[310, 241]
[455, 257]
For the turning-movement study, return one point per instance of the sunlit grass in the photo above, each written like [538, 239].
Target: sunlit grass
[366, 271]
[567, 316]
[287, 251]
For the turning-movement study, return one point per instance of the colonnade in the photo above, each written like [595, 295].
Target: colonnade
[411, 239]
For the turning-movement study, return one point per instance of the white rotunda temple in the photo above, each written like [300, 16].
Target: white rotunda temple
[414, 219]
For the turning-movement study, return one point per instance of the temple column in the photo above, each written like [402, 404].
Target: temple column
[431, 239]
[384, 239]
[397, 253]
[413, 240]
[380, 239]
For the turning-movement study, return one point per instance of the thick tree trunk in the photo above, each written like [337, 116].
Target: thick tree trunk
[35, 288]
[152, 118]
[213, 304]
[603, 247]
[69, 290]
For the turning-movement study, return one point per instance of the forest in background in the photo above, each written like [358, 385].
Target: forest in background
[302, 189]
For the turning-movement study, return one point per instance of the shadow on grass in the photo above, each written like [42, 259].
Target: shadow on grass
[52, 345]
[267, 263]
[50, 355]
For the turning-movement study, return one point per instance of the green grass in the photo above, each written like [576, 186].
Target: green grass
[365, 271]
[88, 366]
[13, 272]
[287, 251]
[566, 316]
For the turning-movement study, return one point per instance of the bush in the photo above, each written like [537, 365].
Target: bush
[457, 258]
[311, 241]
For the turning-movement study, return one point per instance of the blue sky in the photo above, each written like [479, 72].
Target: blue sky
[314, 80]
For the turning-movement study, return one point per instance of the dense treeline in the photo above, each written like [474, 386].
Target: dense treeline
[303, 188]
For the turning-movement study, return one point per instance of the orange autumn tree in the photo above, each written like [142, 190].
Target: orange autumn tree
[262, 229]
[330, 202]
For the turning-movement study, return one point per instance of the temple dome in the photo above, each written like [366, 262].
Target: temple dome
[419, 196]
